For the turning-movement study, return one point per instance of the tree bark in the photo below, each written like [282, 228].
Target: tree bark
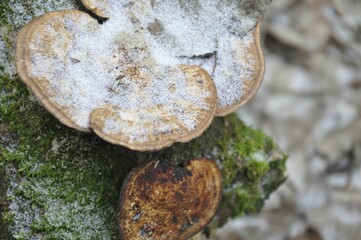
[58, 183]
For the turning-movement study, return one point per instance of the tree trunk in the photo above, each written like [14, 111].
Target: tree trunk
[58, 183]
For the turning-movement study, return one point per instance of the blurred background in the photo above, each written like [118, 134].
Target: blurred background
[310, 103]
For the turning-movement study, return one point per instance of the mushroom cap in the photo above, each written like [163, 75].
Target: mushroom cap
[249, 61]
[221, 36]
[134, 79]
[38, 32]
[155, 126]
[160, 201]
[112, 85]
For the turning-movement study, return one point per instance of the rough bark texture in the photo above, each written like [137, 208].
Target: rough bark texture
[57, 183]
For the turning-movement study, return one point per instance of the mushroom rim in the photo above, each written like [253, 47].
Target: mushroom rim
[260, 69]
[94, 9]
[21, 50]
[150, 146]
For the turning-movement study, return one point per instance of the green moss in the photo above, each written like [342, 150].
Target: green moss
[73, 179]
[6, 218]
[254, 170]
[277, 168]
[58, 169]
[252, 165]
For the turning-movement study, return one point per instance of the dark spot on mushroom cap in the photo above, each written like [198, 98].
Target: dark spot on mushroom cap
[156, 27]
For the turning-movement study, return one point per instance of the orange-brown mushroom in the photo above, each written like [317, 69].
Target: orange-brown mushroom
[160, 201]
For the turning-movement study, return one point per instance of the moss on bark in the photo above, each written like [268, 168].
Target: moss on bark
[65, 184]
[57, 183]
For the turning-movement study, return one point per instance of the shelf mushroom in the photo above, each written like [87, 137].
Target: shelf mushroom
[91, 81]
[154, 73]
[223, 37]
[160, 201]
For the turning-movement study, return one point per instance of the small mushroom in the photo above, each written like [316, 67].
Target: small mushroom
[160, 201]
[112, 85]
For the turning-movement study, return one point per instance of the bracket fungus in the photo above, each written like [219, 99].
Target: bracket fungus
[160, 201]
[154, 73]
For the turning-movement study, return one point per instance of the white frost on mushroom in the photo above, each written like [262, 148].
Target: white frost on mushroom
[84, 66]
[138, 68]
[199, 31]
[233, 64]
[204, 33]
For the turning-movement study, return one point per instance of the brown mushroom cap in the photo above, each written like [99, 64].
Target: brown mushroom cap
[160, 201]
[148, 127]
[237, 68]
[113, 86]
[253, 67]
[221, 36]
[46, 37]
